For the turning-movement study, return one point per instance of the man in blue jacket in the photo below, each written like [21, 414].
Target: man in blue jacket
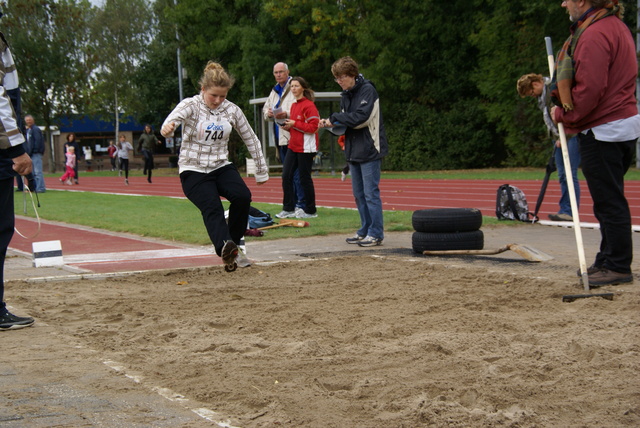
[365, 146]
[37, 147]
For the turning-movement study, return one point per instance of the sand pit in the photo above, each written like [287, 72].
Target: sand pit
[364, 341]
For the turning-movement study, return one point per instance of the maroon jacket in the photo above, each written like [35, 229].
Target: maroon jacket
[606, 69]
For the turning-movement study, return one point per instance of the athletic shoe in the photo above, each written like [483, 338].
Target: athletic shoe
[229, 255]
[8, 321]
[560, 217]
[609, 277]
[354, 239]
[303, 214]
[286, 214]
[298, 211]
[242, 259]
[126, 181]
[590, 270]
[370, 241]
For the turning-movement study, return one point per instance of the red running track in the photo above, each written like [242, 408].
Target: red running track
[397, 194]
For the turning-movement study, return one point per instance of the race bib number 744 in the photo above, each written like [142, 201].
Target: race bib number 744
[212, 132]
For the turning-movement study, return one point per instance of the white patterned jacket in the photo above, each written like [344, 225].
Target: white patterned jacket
[205, 136]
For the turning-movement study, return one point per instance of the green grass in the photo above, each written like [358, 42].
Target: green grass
[467, 174]
[179, 220]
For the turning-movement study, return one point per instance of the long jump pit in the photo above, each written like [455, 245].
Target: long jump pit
[381, 337]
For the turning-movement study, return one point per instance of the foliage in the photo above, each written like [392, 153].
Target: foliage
[156, 78]
[53, 65]
[121, 32]
[178, 219]
[445, 71]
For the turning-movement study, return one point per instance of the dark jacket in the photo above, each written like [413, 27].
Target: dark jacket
[365, 138]
[148, 142]
[35, 141]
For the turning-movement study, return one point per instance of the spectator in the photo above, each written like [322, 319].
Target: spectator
[112, 151]
[303, 146]
[534, 85]
[277, 108]
[69, 166]
[37, 147]
[365, 146]
[596, 73]
[71, 141]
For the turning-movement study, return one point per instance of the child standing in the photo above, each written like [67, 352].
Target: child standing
[69, 166]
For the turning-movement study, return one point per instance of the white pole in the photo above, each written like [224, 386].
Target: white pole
[569, 176]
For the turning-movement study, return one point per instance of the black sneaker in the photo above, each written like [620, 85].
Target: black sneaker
[354, 239]
[370, 241]
[229, 255]
[8, 321]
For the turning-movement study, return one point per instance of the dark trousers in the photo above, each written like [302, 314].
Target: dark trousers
[604, 165]
[148, 162]
[205, 190]
[7, 221]
[296, 177]
[302, 162]
[124, 165]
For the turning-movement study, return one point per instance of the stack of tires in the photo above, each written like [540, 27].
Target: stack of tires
[443, 229]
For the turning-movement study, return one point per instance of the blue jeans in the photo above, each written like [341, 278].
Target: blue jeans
[36, 160]
[573, 147]
[365, 180]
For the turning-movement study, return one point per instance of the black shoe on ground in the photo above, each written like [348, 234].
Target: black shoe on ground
[229, 255]
[590, 270]
[609, 277]
[8, 321]
[354, 239]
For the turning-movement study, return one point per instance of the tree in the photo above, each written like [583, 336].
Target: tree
[121, 32]
[53, 65]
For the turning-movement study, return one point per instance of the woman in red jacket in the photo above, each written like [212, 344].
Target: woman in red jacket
[303, 146]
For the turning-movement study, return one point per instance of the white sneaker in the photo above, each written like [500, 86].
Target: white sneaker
[303, 214]
[370, 241]
[242, 259]
[286, 214]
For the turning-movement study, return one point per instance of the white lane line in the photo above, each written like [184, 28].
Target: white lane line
[138, 255]
[170, 395]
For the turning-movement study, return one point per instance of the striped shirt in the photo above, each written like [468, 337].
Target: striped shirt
[10, 134]
[205, 136]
